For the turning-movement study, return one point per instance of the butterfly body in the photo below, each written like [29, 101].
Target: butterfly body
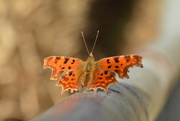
[88, 70]
[78, 75]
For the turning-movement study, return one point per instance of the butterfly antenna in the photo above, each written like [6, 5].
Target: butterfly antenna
[95, 41]
[85, 42]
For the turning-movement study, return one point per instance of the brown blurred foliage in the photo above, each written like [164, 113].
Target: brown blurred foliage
[31, 30]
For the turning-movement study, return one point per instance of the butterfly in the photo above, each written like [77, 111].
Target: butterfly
[77, 75]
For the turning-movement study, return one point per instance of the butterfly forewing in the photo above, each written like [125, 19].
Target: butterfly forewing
[120, 64]
[60, 64]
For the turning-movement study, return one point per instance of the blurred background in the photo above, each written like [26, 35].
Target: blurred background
[31, 30]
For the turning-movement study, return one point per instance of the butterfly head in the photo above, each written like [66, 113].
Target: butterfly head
[91, 56]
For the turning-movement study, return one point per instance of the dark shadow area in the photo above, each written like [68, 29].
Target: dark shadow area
[111, 18]
[171, 110]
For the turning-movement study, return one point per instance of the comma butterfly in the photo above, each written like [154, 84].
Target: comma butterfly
[77, 75]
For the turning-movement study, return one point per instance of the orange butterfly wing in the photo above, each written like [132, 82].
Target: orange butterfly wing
[102, 80]
[67, 69]
[70, 80]
[108, 67]
[120, 64]
[58, 65]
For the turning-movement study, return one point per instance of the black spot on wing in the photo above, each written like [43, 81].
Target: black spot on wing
[116, 66]
[105, 72]
[73, 61]
[57, 58]
[108, 61]
[70, 73]
[127, 56]
[100, 78]
[66, 60]
[109, 66]
[117, 71]
[116, 59]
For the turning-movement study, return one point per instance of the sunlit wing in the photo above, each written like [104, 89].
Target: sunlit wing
[70, 80]
[102, 80]
[61, 64]
[120, 64]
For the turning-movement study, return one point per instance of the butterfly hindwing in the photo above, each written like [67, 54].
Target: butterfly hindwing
[60, 64]
[70, 80]
[120, 64]
[102, 79]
